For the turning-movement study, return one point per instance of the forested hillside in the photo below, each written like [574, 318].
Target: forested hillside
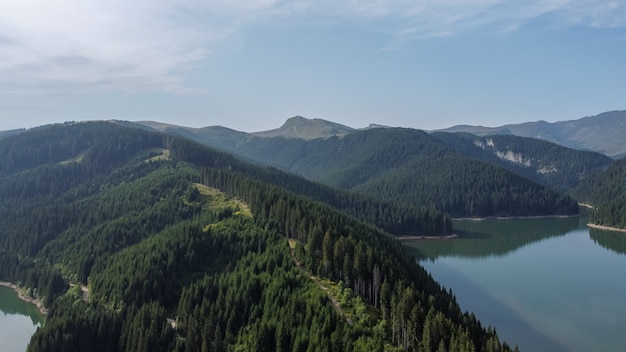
[550, 164]
[606, 192]
[4, 134]
[409, 167]
[400, 219]
[183, 249]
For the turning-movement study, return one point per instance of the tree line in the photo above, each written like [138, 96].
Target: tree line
[605, 190]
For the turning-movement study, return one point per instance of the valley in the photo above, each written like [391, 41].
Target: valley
[187, 242]
[200, 238]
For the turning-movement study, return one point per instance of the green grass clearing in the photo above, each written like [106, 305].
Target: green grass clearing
[216, 199]
[159, 154]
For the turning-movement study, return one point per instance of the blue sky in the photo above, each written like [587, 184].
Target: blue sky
[250, 65]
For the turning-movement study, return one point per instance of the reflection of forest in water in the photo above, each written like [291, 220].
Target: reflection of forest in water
[611, 240]
[493, 237]
[11, 304]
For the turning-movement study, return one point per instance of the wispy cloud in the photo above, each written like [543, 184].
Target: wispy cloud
[144, 45]
[131, 45]
[411, 20]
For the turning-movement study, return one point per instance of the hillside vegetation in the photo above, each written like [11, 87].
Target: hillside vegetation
[550, 164]
[184, 249]
[606, 192]
[408, 167]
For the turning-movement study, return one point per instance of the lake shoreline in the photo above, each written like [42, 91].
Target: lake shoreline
[411, 238]
[495, 271]
[607, 228]
[42, 309]
[517, 217]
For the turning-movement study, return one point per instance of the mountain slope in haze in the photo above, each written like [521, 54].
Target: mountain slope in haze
[408, 167]
[214, 132]
[603, 133]
[184, 249]
[297, 127]
[548, 163]
[4, 134]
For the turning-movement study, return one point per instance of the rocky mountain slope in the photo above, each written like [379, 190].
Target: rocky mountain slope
[548, 163]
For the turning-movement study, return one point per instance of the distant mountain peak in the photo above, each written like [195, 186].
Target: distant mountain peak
[298, 122]
[298, 119]
[301, 127]
[374, 125]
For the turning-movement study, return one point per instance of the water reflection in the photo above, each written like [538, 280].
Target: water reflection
[611, 240]
[493, 237]
[518, 330]
[10, 304]
[546, 284]
[18, 321]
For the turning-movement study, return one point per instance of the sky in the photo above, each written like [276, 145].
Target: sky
[250, 65]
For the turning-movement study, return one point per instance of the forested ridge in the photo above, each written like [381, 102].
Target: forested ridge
[408, 167]
[547, 163]
[605, 190]
[183, 249]
[396, 217]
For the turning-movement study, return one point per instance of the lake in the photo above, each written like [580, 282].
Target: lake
[545, 284]
[18, 321]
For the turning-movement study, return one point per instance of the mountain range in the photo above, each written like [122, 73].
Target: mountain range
[183, 247]
[603, 133]
[141, 241]
[398, 164]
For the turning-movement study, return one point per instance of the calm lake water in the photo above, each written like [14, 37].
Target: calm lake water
[545, 284]
[18, 321]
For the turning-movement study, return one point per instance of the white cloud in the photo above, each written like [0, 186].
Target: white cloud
[145, 44]
[132, 45]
